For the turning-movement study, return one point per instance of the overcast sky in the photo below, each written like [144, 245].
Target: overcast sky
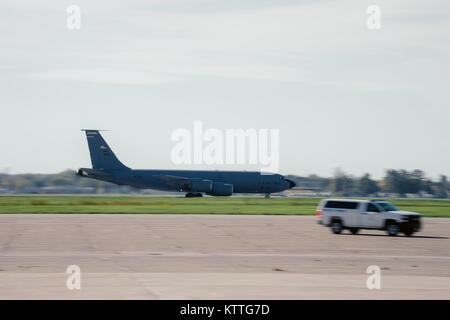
[340, 94]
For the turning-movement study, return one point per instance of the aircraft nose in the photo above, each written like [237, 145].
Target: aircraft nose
[291, 183]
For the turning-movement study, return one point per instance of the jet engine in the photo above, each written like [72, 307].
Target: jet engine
[222, 189]
[200, 185]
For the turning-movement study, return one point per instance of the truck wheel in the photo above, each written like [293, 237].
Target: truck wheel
[336, 227]
[354, 230]
[392, 229]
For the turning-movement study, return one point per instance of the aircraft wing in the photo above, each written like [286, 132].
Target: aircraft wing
[174, 180]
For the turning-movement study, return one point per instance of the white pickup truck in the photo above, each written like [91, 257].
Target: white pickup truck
[355, 214]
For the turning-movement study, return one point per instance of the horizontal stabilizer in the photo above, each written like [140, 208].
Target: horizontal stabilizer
[92, 173]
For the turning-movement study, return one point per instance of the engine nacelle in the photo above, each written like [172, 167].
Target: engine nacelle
[200, 185]
[222, 189]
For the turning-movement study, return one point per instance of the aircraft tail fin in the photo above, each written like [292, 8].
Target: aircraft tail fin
[102, 157]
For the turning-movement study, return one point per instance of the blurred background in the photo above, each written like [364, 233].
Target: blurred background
[396, 183]
[343, 96]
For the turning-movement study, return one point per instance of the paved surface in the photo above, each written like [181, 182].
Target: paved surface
[215, 257]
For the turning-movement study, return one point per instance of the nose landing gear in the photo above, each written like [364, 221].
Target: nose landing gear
[267, 196]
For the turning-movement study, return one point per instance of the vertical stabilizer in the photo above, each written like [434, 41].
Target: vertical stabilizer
[102, 157]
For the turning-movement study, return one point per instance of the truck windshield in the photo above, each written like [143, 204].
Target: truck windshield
[387, 206]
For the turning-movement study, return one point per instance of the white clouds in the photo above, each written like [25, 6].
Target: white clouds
[168, 74]
[154, 47]
[113, 76]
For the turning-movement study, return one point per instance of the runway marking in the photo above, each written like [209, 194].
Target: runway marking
[199, 254]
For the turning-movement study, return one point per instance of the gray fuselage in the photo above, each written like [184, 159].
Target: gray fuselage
[242, 181]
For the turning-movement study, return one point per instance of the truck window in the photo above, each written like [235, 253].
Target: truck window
[372, 208]
[342, 205]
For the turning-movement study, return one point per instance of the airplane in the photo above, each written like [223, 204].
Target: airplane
[107, 167]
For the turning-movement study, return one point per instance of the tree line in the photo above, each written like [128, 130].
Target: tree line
[399, 182]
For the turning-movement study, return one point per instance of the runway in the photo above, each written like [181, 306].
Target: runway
[140, 256]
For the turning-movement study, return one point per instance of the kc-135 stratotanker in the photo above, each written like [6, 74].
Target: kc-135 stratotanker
[106, 167]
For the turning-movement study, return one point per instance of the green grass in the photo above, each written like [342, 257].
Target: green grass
[205, 205]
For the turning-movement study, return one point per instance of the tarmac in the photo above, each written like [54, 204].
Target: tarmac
[140, 256]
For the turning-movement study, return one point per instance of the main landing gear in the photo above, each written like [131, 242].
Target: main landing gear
[193, 195]
[267, 196]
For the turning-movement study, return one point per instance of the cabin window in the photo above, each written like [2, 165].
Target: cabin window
[341, 205]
